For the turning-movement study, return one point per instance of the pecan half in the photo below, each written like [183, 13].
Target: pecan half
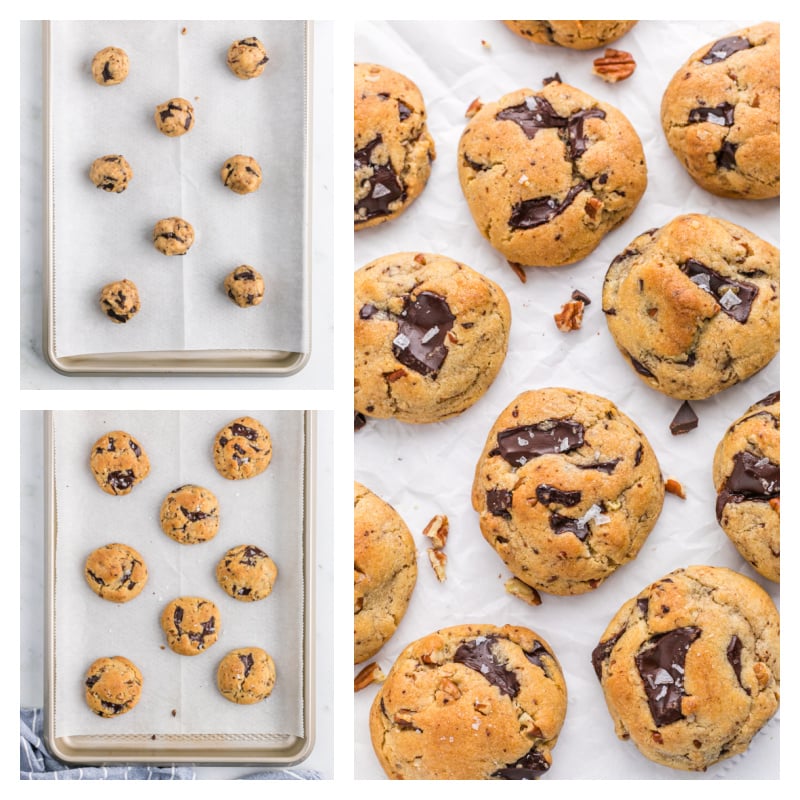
[372, 673]
[614, 66]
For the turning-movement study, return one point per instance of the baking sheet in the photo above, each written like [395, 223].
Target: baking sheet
[428, 469]
[266, 510]
[99, 237]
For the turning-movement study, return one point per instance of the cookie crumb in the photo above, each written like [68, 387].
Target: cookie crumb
[372, 673]
[685, 420]
[438, 560]
[674, 487]
[527, 593]
[183, 31]
[485, 44]
[570, 317]
[174, 711]
[437, 530]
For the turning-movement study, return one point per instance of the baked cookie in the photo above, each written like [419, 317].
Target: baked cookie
[120, 301]
[118, 462]
[173, 236]
[721, 114]
[242, 449]
[246, 675]
[384, 572]
[548, 174]
[110, 66]
[113, 686]
[245, 286]
[241, 174]
[191, 625]
[392, 148]
[115, 572]
[111, 173]
[247, 58]
[190, 514]
[471, 702]
[747, 478]
[247, 573]
[430, 336]
[577, 34]
[690, 667]
[567, 489]
[694, 306]
[175, 117]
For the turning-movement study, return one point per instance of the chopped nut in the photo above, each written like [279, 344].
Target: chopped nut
[657, 737]
[592, 207]
[396, 375]
[483, 706]
[762, 673]
[433, 657]
[520, 272]
[420, 259]
[570, 317]
[447, 687]
[474, 107]
[372, 673]
[775, 503]
[485, 44]
[615, 65]
[674, 487]
[438, 561]
[527, 593]
[183, 32]
[404, 719]
[436, 530]
[452, 337]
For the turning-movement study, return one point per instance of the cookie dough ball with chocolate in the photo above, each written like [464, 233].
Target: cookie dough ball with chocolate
[115, 572]
[120, 301]
[576, 34]
[247, 58]
[175, 117]
[246, 675]
[173, 236]
[118, 462]
[110, 66]
[241, 174]
[245, 286]
[690, 667]
[191, 625]
[111, 173]
[113, 686]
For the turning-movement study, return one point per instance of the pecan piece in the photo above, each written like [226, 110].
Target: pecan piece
[474, 107]
[527, 593]
[518, 271]
[614, 66]
[372, 673]
[570, 317]
[438, 561]
[436, 530]
[775, 504]
[674, 487]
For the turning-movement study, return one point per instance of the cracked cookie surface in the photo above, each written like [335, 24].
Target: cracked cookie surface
[246, 675]
[191, 625]
[470, 702]
[384, 572]
[567, 489]
[721, 114]
[694, 306]
[113, 686]
[392, 147]
[190, 514]
[118, 462]
[690, 667]
[242, 449]
[430, 336]
[747, 479]
[576, 34]
[548, 174]
[246, 573]
[115, 572]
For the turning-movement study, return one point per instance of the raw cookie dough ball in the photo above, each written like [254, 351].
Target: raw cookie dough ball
[175, 117]
[245, 286]
[246, 675]
[115, 572]
[190, 624]
[247, 58]
[747, 477]
[247, 573]
[110, 66]
[690, 667]
[721, 114]
[111, 173]
[118, 462]
[113, 686]
[190, 514]
[242, 449]
[241, 174]
[392, 148]
[471, 702]
[173, 236]
[577, 34]
[120, 300]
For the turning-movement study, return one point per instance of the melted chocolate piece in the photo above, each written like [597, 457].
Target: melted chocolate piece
[244, 276]
[193, 516]
[498, 501]
[752, 478]
[637, 459]
[541, 210]
[535, 655]
[643, 604]
[92, 680]
[718, 286]
[251, 555]
[121, 480]
[237, 429]
[385, 186]
[603, 651]
[528, 768]
[517, 446]
[661, 668]
[578, 144]
[560, 524]
[422, 328]
[685, 420]
[724, 48]
[726, 155]
[478, 655]
[719, 115]
[403, 111]
[734, 653]
[247, 662]
[533, 115]
[640, 368]
[359, 420]
[602, 466]
[475, 165]
[367, 311]
[774, 397]
[549, 494]
[107, 76]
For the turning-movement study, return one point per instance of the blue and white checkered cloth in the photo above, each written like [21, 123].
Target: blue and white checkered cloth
[36, 763]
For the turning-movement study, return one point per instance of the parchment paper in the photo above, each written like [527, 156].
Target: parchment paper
[101, 237]
[428, 469]
[266, 510]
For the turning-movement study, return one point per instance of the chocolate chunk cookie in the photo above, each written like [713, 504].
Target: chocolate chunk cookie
[247, 58]
[190, 514]
[110, 66]
[747, 478]
[392, 148]
[430, 336]
[384, 572]
[246, 675]
[547, 174]
[173, 236]
[577, 34]
[191, 625]
[241, 174]
[471, 702]
[721, 114]
[247, 573]
[111, 173]
[242, 449]
[567, 488]
[115, 572]
[118, 462]
[694, 306]
[113, 686]
[120, 301]
[175, 117]
[245, 286]
[690, 667]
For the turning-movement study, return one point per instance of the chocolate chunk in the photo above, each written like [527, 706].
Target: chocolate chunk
[533, 115]
[719, 115]
[637, 459]
[579, 295]
[724, 48]
[535, 655]
[251, 555]
[367, 311]
[528, 768]
[193, 516]
[385, 186]
[549, 494]
[752, 478]
[498, 501]
[578, 144]
[92, 680]
[475, 165]
[726, 155]
[540, 210]
[359, 420]
[602, 466]
[422, 328]
[643, 604]
[107, 76]
[478, 655]
[774, 397]
[640, 368]
[603, 651]
[237, 429]
[734, 653]
[247, 662]
[735, 297]
[517, 446]
[661, 668]
[555, 78]
[403, 111]
[121, 480]
[560, 524]
[685, 420]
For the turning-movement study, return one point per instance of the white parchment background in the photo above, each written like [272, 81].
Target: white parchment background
[427, 470]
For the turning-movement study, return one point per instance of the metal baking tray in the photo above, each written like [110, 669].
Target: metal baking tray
[202, 749]
[268, 362]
